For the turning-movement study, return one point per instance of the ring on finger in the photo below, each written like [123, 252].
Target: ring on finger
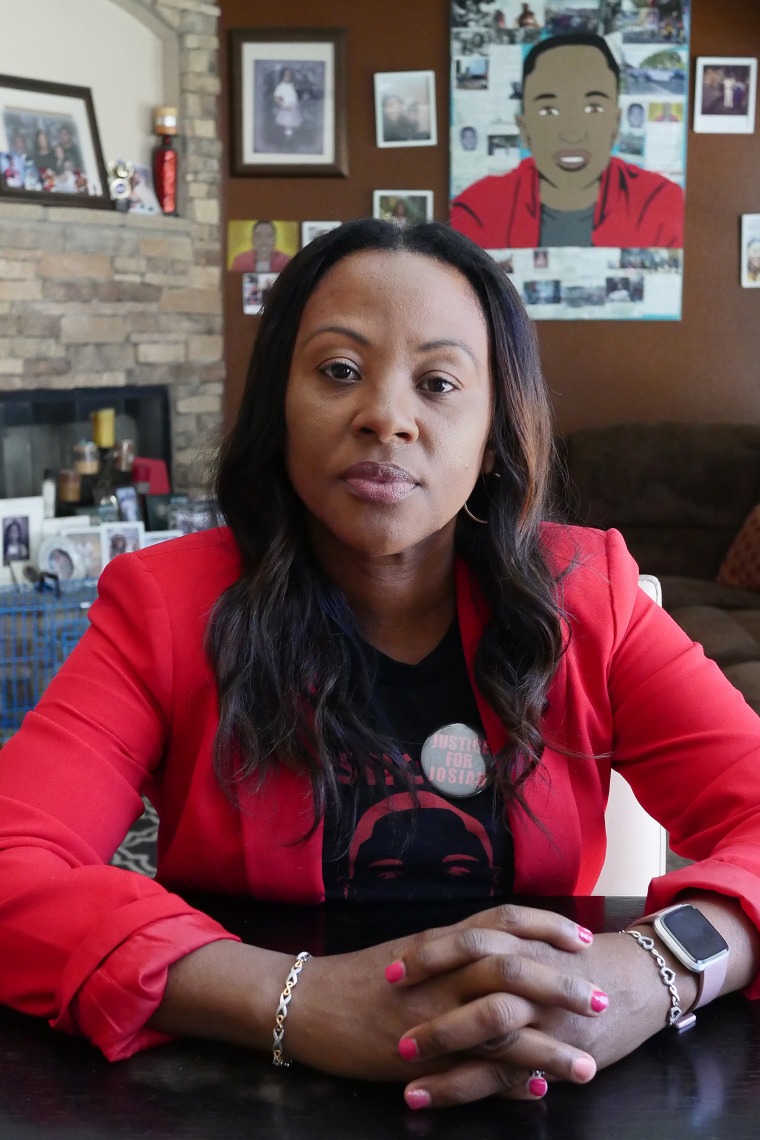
[537, 1085]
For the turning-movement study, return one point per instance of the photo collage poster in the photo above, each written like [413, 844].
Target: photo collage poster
[568, 150]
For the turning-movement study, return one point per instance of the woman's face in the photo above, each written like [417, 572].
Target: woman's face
[388, 404]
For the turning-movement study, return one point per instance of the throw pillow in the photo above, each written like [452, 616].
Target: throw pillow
[741, 566]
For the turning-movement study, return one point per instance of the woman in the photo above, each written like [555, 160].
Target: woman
[15, 546]
[386, 599]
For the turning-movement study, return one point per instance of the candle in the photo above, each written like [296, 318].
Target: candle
[69, 485]
[103, 429]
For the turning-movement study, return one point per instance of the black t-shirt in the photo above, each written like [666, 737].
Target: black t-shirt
[450, 846]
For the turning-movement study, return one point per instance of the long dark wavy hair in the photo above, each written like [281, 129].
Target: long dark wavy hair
[293, 679]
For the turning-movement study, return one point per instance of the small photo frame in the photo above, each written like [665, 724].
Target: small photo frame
[142, 198]
[256, 288]
[152, 537]
[750, 251]
[404, 207]
[288, 109]
[120, 538]
[405, 108]
[20, 532]
[59, 556]
[724, 95]
[88, 550]
[157, 509]
[49, 145]
[129, 506]
[311, 230]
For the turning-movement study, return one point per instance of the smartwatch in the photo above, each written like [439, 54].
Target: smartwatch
[695, 943]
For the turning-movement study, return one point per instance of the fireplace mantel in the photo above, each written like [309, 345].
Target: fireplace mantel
[98, 298]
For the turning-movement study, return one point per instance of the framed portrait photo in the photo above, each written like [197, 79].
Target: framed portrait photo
[405, 108]
[404, 207]
[85, 544]
[724, 95]
[750, 251]
[20, 531]
[311, 230]
[120, 538]
[288, 110]
[49, 145]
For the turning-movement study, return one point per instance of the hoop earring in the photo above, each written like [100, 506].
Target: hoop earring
[475, 519]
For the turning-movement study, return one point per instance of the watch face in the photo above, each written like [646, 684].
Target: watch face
[698, 937]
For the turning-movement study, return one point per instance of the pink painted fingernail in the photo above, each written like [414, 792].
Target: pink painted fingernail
[395, 972]
[408, 1049]
[585, 935]
[599, 1001]
[537, 1086]
[418, 1098]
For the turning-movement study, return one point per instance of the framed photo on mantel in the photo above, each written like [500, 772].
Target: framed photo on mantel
[288, 109]
[50, 150]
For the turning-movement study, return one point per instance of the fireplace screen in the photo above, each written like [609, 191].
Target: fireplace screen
[38, 429]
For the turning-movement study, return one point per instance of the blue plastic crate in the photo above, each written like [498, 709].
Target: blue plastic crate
[38, 630]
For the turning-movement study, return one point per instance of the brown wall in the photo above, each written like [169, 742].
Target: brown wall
[702, 368]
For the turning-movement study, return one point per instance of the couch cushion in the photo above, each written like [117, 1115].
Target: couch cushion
[677, 592]
[746, 678]
[741, 566]
[725, 640]
[678, 492]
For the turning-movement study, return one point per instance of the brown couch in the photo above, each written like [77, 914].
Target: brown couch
[679, 494]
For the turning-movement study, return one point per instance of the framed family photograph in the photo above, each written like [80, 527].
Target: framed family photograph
[724, 95]
[49, 145]
[288, 111]
[405, 108]
[21, 531]
[405, 207]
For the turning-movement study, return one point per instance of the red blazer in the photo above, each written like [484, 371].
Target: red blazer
[635, 208]
[245, 262]
[134, 710]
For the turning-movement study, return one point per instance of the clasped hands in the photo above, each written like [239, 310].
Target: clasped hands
[471, 1010]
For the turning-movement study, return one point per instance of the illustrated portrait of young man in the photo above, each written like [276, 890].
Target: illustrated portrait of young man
[571, 191]
[263, 256]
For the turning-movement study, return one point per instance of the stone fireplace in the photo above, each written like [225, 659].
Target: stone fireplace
[98, 299]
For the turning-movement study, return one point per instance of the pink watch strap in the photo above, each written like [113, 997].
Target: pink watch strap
[711, 981]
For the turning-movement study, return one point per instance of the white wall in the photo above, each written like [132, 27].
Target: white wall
[122, 53]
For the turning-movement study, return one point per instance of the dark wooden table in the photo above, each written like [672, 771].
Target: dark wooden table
[705, 1083]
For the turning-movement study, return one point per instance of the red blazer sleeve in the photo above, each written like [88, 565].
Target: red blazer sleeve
[82, 943]
[688, 744]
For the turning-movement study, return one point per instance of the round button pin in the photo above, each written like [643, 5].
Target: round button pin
[453, 759]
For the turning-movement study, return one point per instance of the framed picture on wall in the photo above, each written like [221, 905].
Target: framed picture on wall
[49, 145]
[750, 251]
[724, 95]
[405, 207]
[405, 108]
[288, 105]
